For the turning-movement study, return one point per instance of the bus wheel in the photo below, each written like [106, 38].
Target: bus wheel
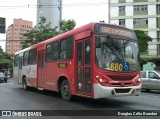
[65, 90]
[24, 84]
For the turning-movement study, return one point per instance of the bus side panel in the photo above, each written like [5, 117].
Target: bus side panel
[30, 72]
[50, 76]
[32, 75]
[15, 74]
[17, 68]
[53, 71]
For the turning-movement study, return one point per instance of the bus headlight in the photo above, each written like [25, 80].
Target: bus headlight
[137, 80]
[101, 80]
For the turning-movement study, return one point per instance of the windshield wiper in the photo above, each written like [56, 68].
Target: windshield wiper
[113, 47]
[127, 42]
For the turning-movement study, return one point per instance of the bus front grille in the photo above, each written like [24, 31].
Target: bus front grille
[122, 90]
[125, 84]
[119, 78]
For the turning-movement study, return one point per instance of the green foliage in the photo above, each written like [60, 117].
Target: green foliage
[67, 25]
[38, 34]
[44, 31]
[5, 60]
[145, 60]
[143, 40]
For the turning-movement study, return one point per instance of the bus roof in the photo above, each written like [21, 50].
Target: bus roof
[89, 26]
[21, 51]
[68, 33]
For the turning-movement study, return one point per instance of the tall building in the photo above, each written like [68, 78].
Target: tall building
[138, 15]
[51, 10]
[15, 34]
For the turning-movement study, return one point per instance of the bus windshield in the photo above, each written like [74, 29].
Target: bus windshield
[115, 54]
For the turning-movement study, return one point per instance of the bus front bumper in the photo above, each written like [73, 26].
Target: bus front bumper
[105, 92]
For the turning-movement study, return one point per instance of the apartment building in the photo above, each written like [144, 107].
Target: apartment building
[51, 10]
[15, 34]
[138, 15]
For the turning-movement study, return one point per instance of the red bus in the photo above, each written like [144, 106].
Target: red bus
[96, 60]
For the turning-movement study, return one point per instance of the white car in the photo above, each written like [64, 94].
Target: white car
[150, 80]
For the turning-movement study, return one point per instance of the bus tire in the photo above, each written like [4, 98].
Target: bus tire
[65, 91]
[24, 83]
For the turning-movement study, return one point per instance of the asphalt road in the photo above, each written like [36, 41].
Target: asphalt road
[13, 97]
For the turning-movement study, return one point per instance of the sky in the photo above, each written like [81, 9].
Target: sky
[81, 11]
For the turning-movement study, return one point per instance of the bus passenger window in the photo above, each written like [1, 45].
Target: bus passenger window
[66, 48]
[25, 58]
[63, 55]
[52, 52]
[49, 53]
[55, 51]
[88, 52]
[79, 55]
[32, 57]
[16, 59]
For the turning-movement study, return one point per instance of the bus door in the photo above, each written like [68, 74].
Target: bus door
[83, 67]
[20, 70]
[40, 69]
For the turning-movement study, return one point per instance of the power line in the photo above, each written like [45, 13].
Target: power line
[14, 6]
[65, 5]
[55, 6]
[28, 5]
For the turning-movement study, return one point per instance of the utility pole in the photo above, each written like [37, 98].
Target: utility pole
[109, 3]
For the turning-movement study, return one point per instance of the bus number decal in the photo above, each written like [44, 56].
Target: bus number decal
[115, 66]
[62, 65]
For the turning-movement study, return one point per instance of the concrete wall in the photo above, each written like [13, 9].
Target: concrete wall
[114, 12]
[151, 9]
[129, 23]
[129, 10]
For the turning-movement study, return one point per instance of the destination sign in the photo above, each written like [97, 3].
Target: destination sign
[114, 30]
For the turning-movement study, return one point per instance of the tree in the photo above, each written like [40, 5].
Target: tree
[67, 25]
[44, 31]
[5, 60]
[38, 34]
[143, 40]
